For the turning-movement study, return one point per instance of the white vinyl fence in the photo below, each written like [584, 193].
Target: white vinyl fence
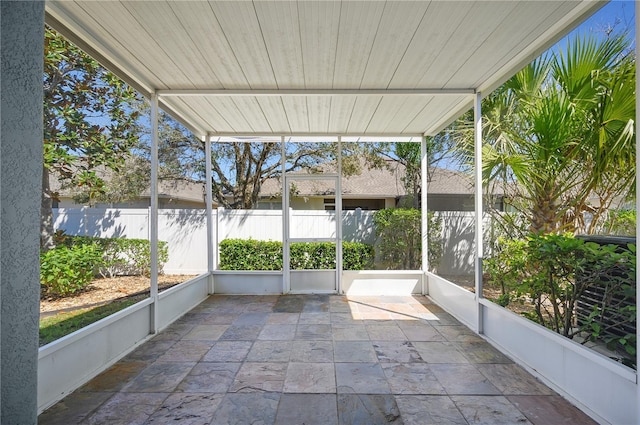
[185, 231]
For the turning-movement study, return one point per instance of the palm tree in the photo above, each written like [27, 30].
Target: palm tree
[561, 133]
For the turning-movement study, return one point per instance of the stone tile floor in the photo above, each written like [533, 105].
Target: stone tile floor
[315, 359]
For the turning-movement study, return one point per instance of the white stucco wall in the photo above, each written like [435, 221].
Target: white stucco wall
[22, 38]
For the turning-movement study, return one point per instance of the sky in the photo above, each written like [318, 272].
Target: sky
[617, 14]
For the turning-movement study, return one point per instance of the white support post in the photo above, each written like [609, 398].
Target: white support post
[211, 250]
[153, 219]
[477, 115]
[286, 283]
[339, 219]
[220, 230]
[637, 25]
[424, 211]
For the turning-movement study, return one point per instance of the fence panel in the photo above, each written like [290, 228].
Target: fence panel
[185, 231]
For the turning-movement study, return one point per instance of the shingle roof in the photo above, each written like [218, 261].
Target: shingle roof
[385, 182]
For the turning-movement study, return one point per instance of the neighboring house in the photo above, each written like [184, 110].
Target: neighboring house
[375, 189]
[171, 194]
[371, 189]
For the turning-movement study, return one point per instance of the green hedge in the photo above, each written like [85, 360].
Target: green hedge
[249, 254]
[76, 260]
[122, 256]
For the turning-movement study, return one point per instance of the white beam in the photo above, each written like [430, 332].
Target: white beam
[338, 216]
[365, 136]
[153, 214]
[209, 199]
[315, 92]
[477, 115]
[286, 283]
[637, 25]
[424, 163]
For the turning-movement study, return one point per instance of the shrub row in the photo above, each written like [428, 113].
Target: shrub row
[76, 260]
[249, 254]
[128, 257]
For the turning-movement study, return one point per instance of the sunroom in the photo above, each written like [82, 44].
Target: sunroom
[285, 73]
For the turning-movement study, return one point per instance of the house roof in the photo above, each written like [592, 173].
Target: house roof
[391, 68]
[177, 190]
[385, 182]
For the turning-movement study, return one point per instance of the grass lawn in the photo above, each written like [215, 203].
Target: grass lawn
[54, 327]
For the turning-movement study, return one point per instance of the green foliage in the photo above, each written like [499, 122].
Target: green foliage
[507, 266]
[399, 244]
[249, 254]
[560, 134]
[65, 270]
[357, 256]
[620, 222]
[122, 256]
[89, 119]
[555, 273]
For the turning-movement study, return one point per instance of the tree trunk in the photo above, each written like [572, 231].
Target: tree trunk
[46, 214]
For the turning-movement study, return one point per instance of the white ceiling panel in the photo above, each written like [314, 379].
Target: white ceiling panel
[297, 113]
[363, 110]
[340, 114]
[319, 108]
[273, 109]
[211, 42]
[316, 67]
[319, 37]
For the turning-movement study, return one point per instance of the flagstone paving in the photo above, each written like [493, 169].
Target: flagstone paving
[315, 359]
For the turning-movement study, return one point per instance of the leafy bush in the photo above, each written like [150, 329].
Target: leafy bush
[357, 256]
[620, 222]
[399, 244]
[249, 254]
[123, 256]
[557, 272]
[506, 267]
[65, 270]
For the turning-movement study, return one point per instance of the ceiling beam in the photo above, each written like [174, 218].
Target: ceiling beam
[316, 92]
[364, 136]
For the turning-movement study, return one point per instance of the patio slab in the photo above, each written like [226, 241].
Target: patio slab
[315, 359]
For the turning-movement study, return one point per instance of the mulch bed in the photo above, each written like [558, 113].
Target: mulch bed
[103, 291]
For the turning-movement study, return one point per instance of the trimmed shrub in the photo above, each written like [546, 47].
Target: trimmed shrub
[122, 256]
[65, 270]
[399, 243]
[249, 254]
